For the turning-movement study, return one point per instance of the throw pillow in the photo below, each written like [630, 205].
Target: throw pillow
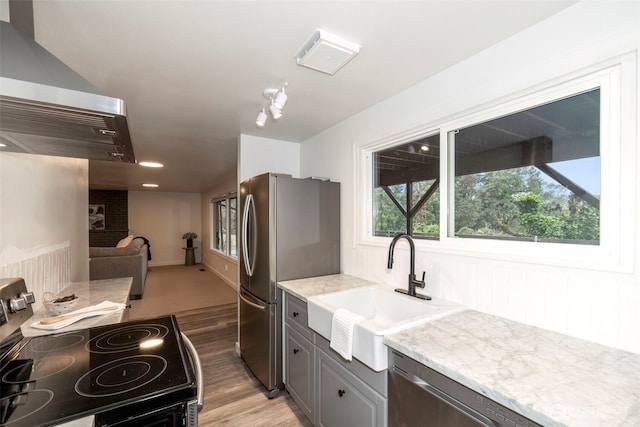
[124, 242]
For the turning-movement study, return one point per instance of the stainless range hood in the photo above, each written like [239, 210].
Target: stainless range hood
[47, 108]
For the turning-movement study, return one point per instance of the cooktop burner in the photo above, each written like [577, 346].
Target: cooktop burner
[36, 371]
[62, 377]
[127, 338]
[51, 343]
[121, 375]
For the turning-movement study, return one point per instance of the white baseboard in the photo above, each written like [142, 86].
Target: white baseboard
[166, 263]
[224, 279]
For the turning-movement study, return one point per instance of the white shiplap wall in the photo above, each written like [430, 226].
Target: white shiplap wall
[45, 272]
[593, 304]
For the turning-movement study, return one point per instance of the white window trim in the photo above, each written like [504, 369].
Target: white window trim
[212, 237]
[616, 252]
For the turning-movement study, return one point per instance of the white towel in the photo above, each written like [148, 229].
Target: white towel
[80, 314]
[342, 325]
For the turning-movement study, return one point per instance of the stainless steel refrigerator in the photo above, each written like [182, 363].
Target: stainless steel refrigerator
[289, 229]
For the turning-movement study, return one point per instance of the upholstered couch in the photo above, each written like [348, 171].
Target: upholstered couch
[128, 259]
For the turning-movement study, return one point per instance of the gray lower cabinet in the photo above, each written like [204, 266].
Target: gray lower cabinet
[300, 358]
[344, 400]
[329, 390]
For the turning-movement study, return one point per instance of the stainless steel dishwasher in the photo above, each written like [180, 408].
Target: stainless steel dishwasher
[420, 396]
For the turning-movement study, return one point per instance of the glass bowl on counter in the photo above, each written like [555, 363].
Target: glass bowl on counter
[57, 305]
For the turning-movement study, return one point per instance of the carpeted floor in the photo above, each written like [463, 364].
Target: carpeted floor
[174, 288]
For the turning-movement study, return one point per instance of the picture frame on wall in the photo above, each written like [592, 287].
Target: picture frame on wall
[96, 217]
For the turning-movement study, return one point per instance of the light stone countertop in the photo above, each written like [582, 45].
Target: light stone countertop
[90, 293]
[554, 379]
[303, 288]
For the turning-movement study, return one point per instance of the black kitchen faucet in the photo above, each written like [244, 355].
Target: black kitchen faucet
[411, 290]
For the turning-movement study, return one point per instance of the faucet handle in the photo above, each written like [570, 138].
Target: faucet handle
[419, 283]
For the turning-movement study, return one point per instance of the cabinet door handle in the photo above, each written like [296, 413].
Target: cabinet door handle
[341, 393]
[295, 351]
[296, 314]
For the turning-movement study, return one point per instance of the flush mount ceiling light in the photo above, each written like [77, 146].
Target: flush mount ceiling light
[150, 185]
[326, 52]
[277, 99]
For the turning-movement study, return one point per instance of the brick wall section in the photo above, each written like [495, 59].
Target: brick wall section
[116, 206]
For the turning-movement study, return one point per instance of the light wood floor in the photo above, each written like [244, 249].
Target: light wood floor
[233, 396]
[173, 288]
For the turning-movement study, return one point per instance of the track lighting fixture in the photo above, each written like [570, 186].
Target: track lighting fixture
[277, 99]
[276, 113]
[281, 98]
[262, 118]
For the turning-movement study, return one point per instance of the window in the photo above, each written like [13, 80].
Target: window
[520, 179]
[412, 168]
[532, 175]
[224, 225]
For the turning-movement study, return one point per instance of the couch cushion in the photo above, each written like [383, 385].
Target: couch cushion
[137, 243]
[125, 242]
[133, 248]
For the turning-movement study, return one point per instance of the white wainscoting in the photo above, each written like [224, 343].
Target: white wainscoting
[601, 307]
[45, 272]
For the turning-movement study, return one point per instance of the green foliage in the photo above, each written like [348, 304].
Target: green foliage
[426, 228]
[577, 221]
[388, 217]
[509, 203]
[466, 231]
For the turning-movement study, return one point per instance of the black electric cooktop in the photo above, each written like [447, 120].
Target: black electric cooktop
[129, 367]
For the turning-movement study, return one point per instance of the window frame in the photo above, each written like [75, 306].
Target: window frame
[214, 203]
[407, 221]
[616, 252]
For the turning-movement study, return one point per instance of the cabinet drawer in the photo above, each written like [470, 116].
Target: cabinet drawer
[296, 316]
[344, 400]
[300, 370]
[376, 380]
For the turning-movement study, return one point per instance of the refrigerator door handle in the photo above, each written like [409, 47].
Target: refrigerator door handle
[248, 256]
[252, 304]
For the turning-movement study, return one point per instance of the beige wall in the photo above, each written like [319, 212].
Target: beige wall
[44, 226]
[163, 217]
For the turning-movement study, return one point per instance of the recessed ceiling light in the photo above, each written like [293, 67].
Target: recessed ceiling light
[424, 148]
[150, 185]
[151, 164]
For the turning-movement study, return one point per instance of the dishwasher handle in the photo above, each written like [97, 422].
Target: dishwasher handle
[419, 382]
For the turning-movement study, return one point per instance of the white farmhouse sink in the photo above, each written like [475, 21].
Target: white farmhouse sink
[385, 312]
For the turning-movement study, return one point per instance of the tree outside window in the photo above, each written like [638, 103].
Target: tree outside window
[532, 175]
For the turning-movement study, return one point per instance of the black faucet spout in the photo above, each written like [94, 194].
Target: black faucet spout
[412, 282]
[411, 246]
